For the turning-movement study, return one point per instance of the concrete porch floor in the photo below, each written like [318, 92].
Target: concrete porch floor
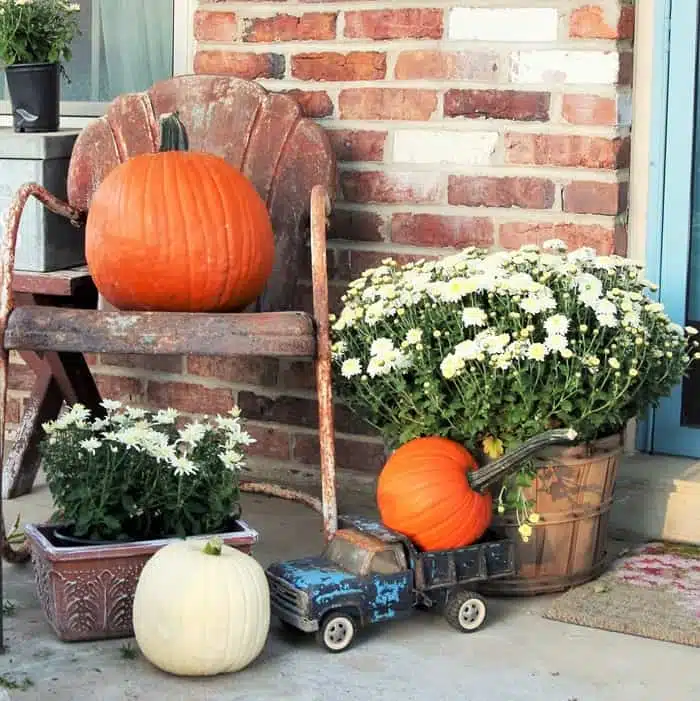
[517, 656]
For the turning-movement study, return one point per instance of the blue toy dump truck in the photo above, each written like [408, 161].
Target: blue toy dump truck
[368, 574]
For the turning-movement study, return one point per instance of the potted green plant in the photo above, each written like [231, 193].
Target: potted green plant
[35, 39]
[124, 484]
[492, 348]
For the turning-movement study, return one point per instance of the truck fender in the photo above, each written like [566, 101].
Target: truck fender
[351, 610]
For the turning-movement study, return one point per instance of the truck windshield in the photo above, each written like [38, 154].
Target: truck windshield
[347, 555]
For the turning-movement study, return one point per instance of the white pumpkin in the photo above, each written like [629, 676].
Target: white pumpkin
[201, 609]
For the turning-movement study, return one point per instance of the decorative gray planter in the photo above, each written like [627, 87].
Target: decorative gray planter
[46, 241]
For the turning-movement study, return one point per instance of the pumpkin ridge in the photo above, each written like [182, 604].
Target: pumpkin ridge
[227, 234]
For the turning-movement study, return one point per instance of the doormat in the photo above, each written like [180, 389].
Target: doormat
[652, 591]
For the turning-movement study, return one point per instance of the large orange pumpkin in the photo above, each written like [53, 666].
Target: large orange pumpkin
[178, 231]
[424, 493]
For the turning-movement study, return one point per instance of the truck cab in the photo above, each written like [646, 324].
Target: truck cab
[361, 577]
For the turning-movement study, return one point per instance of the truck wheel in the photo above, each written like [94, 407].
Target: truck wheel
[337, 632]
[465, 611]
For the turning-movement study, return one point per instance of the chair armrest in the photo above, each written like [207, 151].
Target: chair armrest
[11, 226]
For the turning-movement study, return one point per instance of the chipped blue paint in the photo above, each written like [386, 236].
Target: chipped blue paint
[312, 572]
[391, 597]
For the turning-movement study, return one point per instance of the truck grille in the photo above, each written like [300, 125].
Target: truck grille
[285, 595]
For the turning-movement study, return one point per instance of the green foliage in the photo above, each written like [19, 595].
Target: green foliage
[502, 346]
[37, 31]
[133, 475]
[13, 683]
[128, 652]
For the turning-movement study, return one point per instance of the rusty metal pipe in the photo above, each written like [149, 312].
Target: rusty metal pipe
[320, 210]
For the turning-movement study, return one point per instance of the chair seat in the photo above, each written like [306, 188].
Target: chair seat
[276, 334]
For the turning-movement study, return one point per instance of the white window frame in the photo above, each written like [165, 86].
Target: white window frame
[183, 63]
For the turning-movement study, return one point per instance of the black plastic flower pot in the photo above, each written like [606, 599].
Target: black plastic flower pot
[34, 93]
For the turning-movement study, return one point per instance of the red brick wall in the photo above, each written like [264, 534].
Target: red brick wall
[454, 125]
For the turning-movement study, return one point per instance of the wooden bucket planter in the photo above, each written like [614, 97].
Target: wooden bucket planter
[573, 494]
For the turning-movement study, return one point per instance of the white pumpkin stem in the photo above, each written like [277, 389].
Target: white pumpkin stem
[213, 547]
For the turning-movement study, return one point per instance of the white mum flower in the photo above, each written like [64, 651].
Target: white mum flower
[378, 367]
[588, 286]
[556, 342]
[233, 460]
[473, 316]
[111, 405]
[584, 253]
[557, 324]
[338, 349]
[537, 351]
[184, 466]
[607, 320]
[468, 350]
[351, 367]
[605, 307]
[414, 336]
[554, 245]
[91, 445]
[691, 330]
[655, 307]
[614, 363]
[493, 343]
[166, 416]
[451, 366]
[135, 413]
[381, 346]
[193, 433]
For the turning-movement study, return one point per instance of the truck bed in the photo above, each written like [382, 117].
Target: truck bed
[492, 557]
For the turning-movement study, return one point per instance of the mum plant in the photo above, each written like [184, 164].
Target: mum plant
[37, 31]
[492, 348]
[134, 475]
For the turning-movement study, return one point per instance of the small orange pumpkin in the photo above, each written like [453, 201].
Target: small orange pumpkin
[178, 231]
[424, 493]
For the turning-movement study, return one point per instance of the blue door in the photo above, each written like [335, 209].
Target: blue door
[674, 224]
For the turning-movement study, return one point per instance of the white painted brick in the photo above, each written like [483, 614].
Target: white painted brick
[463, 148]
[577, 67]
[503, 24]
[624, 109]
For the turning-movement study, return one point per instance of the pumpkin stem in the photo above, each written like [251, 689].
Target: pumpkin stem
[213, 546]
[173, 136]
[481, 478]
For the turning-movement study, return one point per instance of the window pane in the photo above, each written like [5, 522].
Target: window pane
[126, 46]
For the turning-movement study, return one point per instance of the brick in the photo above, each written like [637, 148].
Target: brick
[438, 230]
[215, 26]
[408, 23]
[297, 374]
[387, 103]
[331, 66]
[478, 191]
[240, 64]
[241, 370]
[565, 67]
[591, 197]
[498, 104]
[314, 103]
[458, 147]
[13, 410]
[589, 110]
[296, 411]
[375, 186]
[503, 24]
[356, 145]
[515, 234]
[626, 71]
[593, 22]
[447, 65]
[158, 363]
[190, 397]
[20, 377]
[274, 443]
[283, 27]
[356, 225]
[572, 151]
[124, 389]
[350, 455]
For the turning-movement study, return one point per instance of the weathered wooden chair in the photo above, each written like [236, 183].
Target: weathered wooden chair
[289, 160]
